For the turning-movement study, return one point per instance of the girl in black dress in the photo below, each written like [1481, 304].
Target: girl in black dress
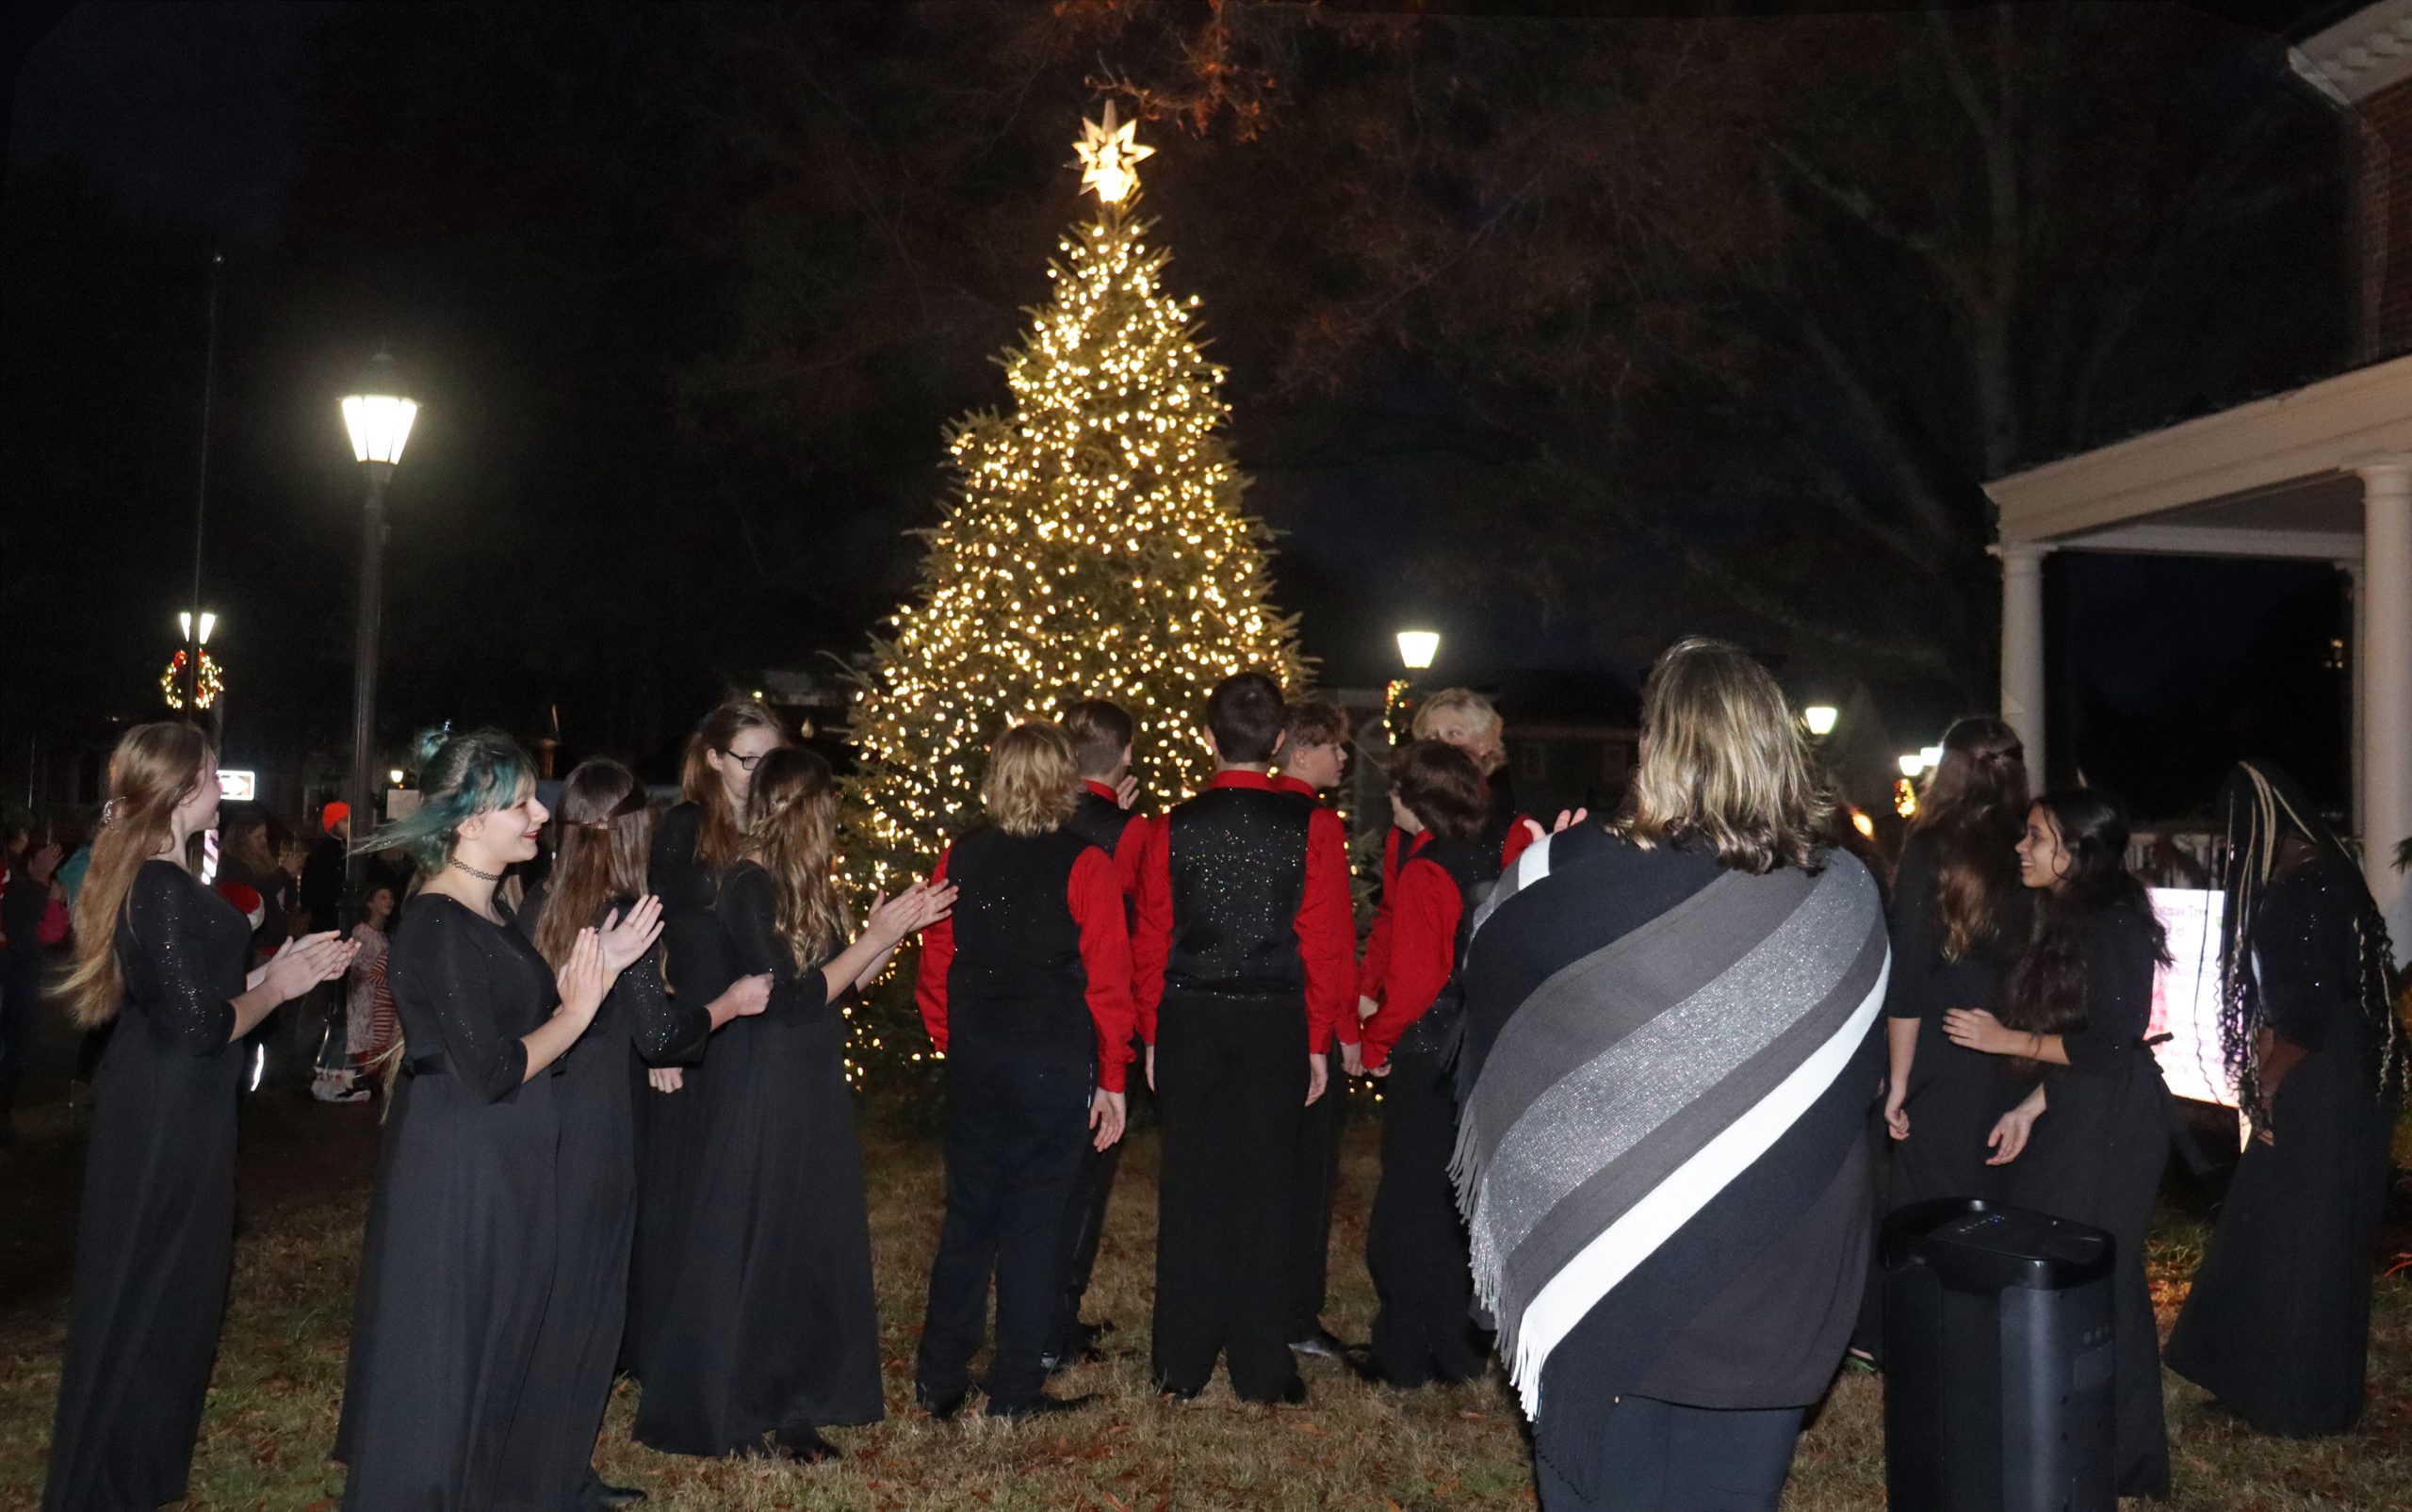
[606, 828]
[165, 959]
[696, 844]
[772, 1329]
[2089, 1142]
[2278, 1325]
[1959, 920]
[459, 1264]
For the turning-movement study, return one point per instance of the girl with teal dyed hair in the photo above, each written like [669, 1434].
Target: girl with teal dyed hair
[459, 1259]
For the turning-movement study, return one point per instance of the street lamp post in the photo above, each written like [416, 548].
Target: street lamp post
[378, 417]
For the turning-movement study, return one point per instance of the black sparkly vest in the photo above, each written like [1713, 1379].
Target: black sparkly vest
[1016, 969]
[1237, 859]
[1473, 866]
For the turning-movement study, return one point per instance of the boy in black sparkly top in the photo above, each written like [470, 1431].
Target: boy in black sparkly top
[1243, 959]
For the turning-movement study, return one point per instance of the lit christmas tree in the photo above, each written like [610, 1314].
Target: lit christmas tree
[1093, 547]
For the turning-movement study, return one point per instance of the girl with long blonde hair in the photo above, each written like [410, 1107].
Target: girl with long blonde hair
[165, 959]
[771, 1330]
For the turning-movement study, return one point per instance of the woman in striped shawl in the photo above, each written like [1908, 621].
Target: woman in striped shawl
[1669, 1069]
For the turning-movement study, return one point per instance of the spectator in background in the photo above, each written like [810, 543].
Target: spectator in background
[246, 854]
[323, 873]
[33, 914]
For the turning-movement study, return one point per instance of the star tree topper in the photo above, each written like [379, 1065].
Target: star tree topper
[1109, 156]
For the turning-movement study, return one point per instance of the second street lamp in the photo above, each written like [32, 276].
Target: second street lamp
[378, 415]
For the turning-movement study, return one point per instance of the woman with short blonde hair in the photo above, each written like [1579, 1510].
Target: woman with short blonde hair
[1669, 1062]
[1467, 719]
[1026, 991]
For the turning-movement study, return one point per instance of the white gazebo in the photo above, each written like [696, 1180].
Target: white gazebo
[2323, 474]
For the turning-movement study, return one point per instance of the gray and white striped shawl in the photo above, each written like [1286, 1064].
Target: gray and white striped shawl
[1634, 1086]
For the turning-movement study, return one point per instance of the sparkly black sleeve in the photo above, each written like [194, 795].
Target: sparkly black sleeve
[175, 986]
[751, 911]
[1916, 920]
[665, 1032]
[449, 975]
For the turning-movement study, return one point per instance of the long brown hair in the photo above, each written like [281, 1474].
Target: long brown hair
[2047, 993]
[720, 837]
[791, 830]
[1973, 812]
[154, 768]
[607, 837]
[1722, 762]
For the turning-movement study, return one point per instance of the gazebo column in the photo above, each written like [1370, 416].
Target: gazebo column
[2386, 624]
[2022, 648]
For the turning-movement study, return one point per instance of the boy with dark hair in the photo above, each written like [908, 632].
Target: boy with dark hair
[1101, 731]
[1243, 958]
[1315, 757]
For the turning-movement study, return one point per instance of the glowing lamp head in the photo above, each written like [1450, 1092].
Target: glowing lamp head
[1912, 763]
[1416, 648]
[1820, 719]
[184, 623]
[379, 416]
[394, 775]
[1930, 758]
[1860, 821]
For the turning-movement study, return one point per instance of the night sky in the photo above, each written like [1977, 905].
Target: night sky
[560, 219]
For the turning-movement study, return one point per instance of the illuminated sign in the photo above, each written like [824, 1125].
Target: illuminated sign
[235, 786]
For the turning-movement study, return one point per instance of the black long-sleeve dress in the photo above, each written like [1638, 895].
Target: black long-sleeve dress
[458, 1267]
[2278, 1323]
[670, 1126]
[1956, 1094]
[154, 1243]
[596, 1193]
[771, 1322]
[2096, 1156]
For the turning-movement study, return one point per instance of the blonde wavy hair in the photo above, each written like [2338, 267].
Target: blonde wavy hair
[792, 831]
[1033, 783]
[1464, 712]
[1722, 763]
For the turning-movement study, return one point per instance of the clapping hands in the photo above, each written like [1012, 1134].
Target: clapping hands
[623, 940]
[305, 961]
[909, 912]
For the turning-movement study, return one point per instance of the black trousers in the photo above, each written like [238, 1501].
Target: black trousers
[1231, 1085]
[1314, 1178]
[1084, 1225]
[1017, 1124]
[1416, 1247]
[1661, 1456]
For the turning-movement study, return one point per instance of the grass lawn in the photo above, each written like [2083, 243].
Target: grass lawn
[272, 1408]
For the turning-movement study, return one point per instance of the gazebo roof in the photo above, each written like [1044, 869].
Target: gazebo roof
[2269, 479]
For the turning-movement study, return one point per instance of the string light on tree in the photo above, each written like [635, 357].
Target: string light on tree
[1092, 544]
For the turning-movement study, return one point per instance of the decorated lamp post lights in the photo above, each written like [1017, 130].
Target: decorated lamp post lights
[378, 416]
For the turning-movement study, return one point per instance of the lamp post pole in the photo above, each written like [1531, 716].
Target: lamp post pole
[364, 664]
[378, 417]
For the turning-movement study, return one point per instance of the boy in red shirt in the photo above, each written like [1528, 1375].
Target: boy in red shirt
[1241, 967]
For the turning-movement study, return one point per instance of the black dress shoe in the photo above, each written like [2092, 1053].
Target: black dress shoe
[1042, 1405]
[594, 1493]
[945, 1408]
[1057, 1364]
[803, 1445]
[1323, 1342]
[1295, 1395]
[1363, 1365]
[1181, 1395]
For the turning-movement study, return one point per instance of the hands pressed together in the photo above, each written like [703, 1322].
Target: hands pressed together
[305, 961]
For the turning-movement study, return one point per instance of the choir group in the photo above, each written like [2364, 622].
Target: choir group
[1628, 1137]
[620, 1136]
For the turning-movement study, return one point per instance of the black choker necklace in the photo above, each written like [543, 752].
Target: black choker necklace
[481, 876]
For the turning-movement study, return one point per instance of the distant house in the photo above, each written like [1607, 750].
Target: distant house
[2322, 473]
